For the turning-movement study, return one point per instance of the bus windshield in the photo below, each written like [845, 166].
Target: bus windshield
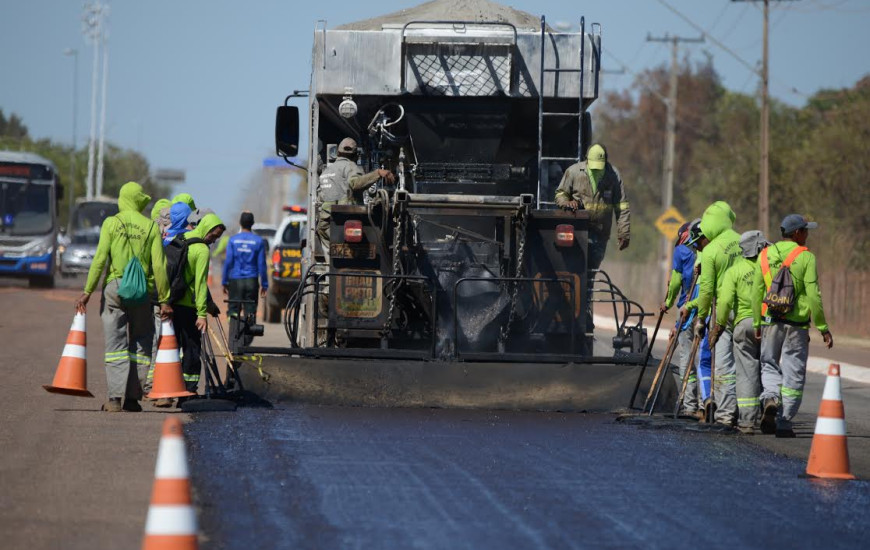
[25, 208]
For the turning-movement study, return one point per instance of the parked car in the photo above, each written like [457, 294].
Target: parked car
[267, 231]
[84, 234]
[285, 271]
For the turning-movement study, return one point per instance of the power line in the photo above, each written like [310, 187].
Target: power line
[627, 69]
[710, 37]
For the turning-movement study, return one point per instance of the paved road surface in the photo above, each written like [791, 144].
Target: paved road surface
[328, 477]
[72, 477]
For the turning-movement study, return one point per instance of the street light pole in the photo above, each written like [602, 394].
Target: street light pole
[74, 53]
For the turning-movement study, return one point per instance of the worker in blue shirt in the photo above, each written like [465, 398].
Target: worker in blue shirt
[245, 263]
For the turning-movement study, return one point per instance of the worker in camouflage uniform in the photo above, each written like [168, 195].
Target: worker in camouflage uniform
[594, 185]
[338, 184]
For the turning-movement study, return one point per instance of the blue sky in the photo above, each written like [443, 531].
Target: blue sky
[194, 84]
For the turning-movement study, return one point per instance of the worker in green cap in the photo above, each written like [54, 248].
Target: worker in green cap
[594, 185]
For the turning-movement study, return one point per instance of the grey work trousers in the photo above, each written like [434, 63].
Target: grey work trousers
[724, 386]
[747, 358]
[129, 334]
[684, 348]
[155, 343]
[784, 352]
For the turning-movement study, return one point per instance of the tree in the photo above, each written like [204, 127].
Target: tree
[12, 127]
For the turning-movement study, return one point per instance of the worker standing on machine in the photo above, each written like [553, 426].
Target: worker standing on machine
[596, 186]
[338, 184]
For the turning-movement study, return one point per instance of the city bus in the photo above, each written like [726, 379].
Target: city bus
[30, 190]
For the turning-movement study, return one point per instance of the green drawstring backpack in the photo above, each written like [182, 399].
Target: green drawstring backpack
[133, 288]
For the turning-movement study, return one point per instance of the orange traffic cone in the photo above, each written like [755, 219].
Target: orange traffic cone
[829, 454]
[168, 380]
[71, 377]
[171, 523]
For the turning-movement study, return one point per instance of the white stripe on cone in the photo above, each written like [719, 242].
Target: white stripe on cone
[171, 520]
[830, 426]
[79, 322]
[74, 350]
[168, 356]
[166, 329]
[171, 459]
[832, 389]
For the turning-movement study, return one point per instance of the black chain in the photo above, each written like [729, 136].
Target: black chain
[515, 285]
[397, 244]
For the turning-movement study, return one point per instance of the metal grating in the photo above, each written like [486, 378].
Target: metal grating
[459, 69]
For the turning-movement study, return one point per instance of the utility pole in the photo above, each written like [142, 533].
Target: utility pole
[671, 132]
[763, 169]
[74, 53]
[93, 20]
[99, 182]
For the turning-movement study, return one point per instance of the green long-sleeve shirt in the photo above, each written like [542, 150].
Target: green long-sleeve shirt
[196, 270]
[719, 254]
[127, 234]
[808, 297]
[736, 292]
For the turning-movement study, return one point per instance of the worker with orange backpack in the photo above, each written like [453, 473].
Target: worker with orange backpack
[785, 297]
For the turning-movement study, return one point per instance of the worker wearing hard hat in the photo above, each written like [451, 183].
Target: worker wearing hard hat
[594, 185]
[337, 184]
[683, 287]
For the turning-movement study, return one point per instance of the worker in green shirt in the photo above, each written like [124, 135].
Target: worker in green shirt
[735, 299]
[128, 328]
[192, 308]
[785, 339]
[721, 248]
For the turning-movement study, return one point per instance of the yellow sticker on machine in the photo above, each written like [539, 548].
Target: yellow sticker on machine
[359, 296]
[542, 292]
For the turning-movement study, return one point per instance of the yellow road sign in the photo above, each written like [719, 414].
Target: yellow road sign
[669, 222]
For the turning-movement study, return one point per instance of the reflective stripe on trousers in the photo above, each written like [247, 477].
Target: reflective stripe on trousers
[784, 352]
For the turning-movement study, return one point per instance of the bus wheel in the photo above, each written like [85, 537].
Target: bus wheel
[41, 281]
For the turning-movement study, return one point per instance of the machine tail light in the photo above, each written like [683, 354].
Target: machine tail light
[353, 231]
[276, 260]
[564, 235]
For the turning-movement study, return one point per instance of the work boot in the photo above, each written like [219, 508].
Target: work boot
[113, 405]
[785, 433]
[746, 430]
[132, 405]
[768, 417]
[163, 402]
